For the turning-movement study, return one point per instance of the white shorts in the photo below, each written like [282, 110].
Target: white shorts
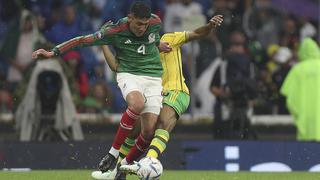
[150, 88]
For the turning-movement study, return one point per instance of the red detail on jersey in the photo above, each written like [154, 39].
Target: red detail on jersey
[76, 42]
[118, 28]
[155, 20]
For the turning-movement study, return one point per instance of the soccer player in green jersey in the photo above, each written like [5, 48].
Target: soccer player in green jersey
[176, 94]
[136, 40]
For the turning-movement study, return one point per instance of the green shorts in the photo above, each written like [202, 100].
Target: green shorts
[178, 100]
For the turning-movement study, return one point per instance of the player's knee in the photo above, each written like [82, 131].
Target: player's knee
[137, 107]
[135, 102]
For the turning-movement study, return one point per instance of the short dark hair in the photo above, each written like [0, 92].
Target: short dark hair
[140, 9]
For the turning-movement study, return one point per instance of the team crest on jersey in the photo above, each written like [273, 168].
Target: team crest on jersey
[152, 37]
[98, 35]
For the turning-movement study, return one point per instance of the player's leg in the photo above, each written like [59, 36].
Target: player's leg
[130, 86]
[167, 120]
[174, 104]
[130, 141]
[148, 124]
[110, 174]
[126, 125]
[149, 119]
[124, 150]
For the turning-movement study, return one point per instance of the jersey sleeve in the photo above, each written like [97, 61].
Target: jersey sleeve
[101, 37]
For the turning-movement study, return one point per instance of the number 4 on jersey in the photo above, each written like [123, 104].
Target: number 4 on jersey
[142, 49]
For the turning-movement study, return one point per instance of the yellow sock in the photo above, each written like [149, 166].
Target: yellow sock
[158, 143]
[125, 148]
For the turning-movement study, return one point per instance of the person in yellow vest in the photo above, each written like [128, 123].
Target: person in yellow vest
[176, 96]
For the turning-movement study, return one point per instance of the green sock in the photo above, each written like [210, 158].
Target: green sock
[125, 148]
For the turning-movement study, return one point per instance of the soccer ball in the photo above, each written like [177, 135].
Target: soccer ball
[150, 168]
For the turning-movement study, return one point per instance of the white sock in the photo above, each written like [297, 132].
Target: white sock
[114, 152]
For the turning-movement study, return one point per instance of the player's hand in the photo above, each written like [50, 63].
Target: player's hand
[216, 20]
[164, 47]
[41, 53]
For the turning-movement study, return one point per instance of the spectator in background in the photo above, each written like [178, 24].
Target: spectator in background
[210, 48]
[302, 90]
[261, 22]
[289, 35]
[183, 15]
[232, 18]
[73, 60]
[271, 64]
[230, 85]
[265, 94]
[101, 92]
[99, 100]
[89, 105]
[21, 40]
[53, 14]
[71, 25]
[112, 10]
[307, 29]
[283, 58]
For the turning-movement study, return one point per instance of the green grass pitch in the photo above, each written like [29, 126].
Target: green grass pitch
[167, 175]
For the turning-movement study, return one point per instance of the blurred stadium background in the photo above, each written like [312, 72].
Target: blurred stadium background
[269, 31]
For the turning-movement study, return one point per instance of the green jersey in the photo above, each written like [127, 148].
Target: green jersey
[135, 55]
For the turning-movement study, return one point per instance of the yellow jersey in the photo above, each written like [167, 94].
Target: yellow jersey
[172, 77]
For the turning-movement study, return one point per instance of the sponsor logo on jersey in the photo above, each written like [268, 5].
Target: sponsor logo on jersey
[128, 41]
[152, 37]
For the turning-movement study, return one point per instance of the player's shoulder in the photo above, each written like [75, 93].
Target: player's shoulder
[174, 35]
[120, 26]
[155, 20]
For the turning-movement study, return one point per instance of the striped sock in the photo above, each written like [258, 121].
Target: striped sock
[126, 125]
[125, 148]
[158, 143]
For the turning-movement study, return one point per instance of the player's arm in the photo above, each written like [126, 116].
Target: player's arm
[205, 30]
[99, 38]
[75, 43]
[110, 59]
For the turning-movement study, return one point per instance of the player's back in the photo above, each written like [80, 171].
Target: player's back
[172, 78]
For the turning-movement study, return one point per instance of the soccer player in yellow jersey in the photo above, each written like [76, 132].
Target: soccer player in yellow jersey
[175, 91]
